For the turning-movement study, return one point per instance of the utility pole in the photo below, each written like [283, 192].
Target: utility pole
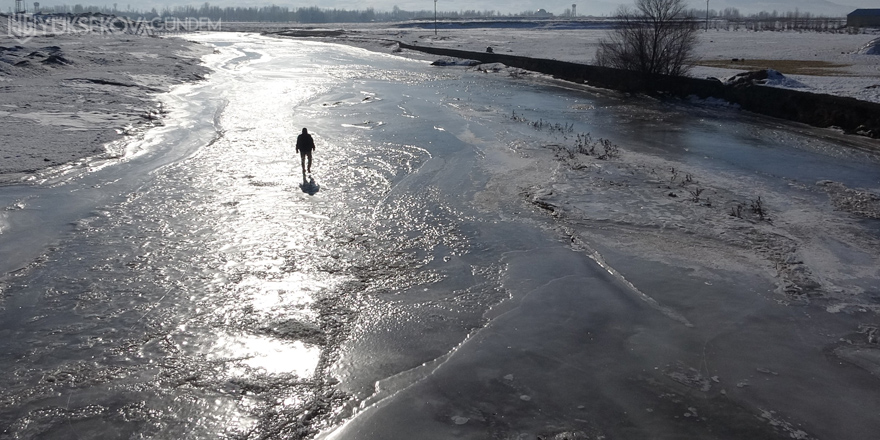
[435, 17]
[707, 15]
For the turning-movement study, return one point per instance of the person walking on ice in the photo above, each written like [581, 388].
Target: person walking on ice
[304, 146]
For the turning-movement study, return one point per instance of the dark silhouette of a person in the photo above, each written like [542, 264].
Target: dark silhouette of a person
[304, 146]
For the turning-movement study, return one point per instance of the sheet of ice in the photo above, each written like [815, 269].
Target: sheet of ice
[691, 258]
[448, 267]
[722, 273]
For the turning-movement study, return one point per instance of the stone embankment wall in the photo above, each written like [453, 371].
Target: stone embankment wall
[819, 110]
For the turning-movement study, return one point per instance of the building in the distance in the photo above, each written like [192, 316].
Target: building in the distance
[863, 18]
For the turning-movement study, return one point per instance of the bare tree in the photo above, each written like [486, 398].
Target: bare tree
[657, 38]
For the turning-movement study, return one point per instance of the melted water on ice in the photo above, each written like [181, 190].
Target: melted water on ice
[203, 287]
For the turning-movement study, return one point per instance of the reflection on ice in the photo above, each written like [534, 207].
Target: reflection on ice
[269, 354]
[313, 215]
[293, 292]
[311, 188]
[365, 125]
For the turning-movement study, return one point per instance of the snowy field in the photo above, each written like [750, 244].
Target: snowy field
[835, 63]
[70, 97]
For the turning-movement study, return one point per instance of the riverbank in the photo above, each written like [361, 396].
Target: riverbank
[212, 294]
[749, 91]
[68, 98]
[828, 63]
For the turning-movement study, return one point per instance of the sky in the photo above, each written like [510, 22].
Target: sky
[558, 7]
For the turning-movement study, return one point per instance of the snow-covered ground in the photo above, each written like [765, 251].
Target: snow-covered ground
[70, 97]
[853, 73]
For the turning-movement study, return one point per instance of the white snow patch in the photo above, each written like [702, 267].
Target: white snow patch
[872, 48]
[777, 79]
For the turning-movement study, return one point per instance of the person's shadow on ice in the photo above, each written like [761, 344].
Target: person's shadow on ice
[309, 186]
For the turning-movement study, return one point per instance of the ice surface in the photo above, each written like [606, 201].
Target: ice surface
[469, 268]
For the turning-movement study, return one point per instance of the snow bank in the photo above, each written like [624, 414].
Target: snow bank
[777, 79]
[856, 76]
[67, 97]
[768, 77]
[872, 48]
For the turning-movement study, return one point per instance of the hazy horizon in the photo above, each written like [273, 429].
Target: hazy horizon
[557, 7]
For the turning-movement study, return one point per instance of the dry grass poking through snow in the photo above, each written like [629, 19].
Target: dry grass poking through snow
[786, 67]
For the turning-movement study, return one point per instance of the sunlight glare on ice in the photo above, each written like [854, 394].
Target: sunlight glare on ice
[269, 354]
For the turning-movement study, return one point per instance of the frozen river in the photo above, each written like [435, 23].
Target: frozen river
[456, 267]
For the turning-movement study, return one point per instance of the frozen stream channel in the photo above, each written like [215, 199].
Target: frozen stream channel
[462, 265]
